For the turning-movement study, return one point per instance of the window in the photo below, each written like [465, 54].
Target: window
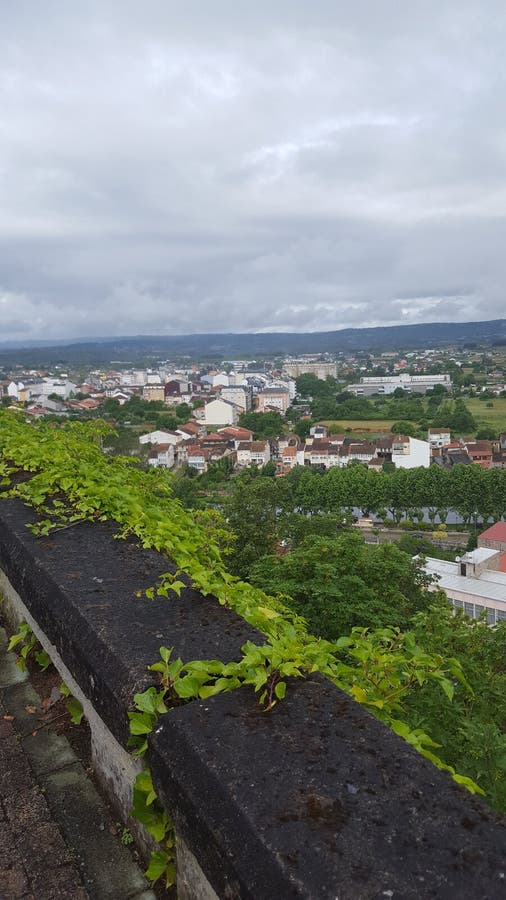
[469, 609]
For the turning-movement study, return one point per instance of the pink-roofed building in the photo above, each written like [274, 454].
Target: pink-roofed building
[494, 538]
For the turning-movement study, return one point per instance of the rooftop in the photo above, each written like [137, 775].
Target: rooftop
[488, 586]
[496, 532]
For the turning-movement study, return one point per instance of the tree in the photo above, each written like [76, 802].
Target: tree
[341, 582]
[462, 420]
[470, 725]
[467, 484]
[405, 428]
[486, 434]
[250, 512]
[183, 411]
[295, 528]
[167, 422]
[263, 425]
[303, 427]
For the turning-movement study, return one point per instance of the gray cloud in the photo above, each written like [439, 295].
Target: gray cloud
[171, 167]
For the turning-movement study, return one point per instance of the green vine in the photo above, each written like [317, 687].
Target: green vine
[61, 472]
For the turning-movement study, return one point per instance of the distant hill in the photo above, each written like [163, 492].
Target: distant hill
[143, 348]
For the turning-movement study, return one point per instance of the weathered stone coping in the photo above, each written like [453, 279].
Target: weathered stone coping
[316, 799]
[80, 586]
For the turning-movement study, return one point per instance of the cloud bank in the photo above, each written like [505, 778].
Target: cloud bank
[208, 167]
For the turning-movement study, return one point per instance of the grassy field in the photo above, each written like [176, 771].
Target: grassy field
[369, 427]
[494, 416]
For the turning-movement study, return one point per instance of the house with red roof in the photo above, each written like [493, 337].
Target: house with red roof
[494, 538]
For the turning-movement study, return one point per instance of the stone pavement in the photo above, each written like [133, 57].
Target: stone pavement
[55, 842]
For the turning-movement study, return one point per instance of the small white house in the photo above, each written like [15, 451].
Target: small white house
[162, 456]
[439, 437]
[253, 453]
[410, 453]
[14, 389]
[161, 437]
[221, 412]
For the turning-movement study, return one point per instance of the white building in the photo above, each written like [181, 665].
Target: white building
[473, 583]
[241, 396]
[322, 370]
[288, 384]
[410, 453]
[221, 412]
[439, 437]
[136, 378]
[161, 437]
[218, 379]
[15, 389]
[253, 453]
[414, 384]
[60, 386]
[162, 456]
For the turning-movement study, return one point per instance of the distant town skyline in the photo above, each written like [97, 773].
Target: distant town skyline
[209, 168]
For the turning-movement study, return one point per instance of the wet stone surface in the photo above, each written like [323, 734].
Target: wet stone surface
[51, 843]
[318, 800]
[81, 585]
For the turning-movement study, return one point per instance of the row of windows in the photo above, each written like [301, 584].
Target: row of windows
[475, 610]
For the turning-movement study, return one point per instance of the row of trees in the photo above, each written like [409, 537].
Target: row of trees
[470, 491]
[264, 509]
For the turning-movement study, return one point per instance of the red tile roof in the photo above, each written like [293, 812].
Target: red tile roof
[496, 532]
[235, 431]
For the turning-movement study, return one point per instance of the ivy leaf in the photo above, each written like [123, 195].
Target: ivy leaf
[359, 694]
[76, 711]
[158, 863]
[188, 686]
[140, 723]
[280, 690]
[43, 659]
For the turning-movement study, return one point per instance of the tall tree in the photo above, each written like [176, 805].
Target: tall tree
[341, 582]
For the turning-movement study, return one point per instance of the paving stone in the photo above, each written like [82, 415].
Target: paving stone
[25, 810]
[10, 673]
[43, 849]
[48, 752]
[7, 847]
[6, 728]
[13, 883]
[107, 868]
[60, 884]
[16, 698]
[15, 773]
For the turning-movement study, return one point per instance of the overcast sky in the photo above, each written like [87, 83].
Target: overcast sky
[220, 165]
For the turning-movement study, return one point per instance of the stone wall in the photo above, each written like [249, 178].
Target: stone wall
[316, 799]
